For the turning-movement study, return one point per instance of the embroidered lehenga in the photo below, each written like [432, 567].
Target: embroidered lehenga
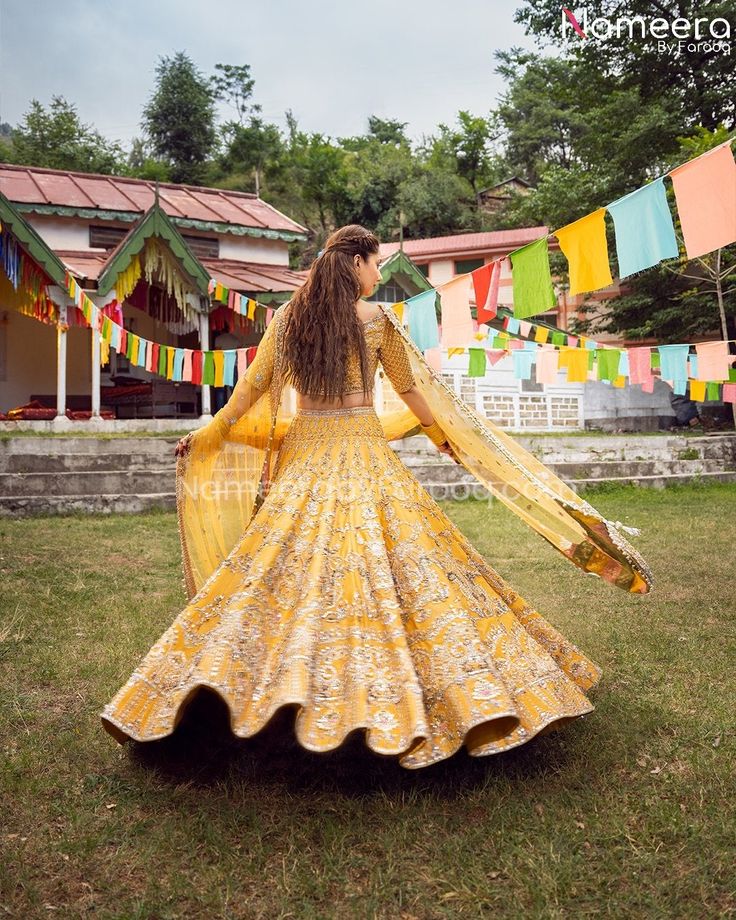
[320, 573]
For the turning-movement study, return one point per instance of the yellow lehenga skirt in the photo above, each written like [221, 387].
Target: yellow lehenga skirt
[352, 595]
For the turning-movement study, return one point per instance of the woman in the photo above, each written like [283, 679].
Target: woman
[321, 574]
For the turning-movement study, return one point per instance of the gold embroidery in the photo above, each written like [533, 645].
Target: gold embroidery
[353, 595]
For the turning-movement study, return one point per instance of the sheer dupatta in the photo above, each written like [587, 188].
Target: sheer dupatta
[223, 479]
[529, 488]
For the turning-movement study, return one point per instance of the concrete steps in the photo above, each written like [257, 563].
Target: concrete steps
[61, 475]
[57, 475]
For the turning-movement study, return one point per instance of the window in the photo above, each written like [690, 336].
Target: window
[468, 265]
[203, 247]
[424, 269]
[389, 293]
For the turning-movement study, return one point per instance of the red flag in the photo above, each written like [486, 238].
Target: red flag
[197, 366]
[485, 282]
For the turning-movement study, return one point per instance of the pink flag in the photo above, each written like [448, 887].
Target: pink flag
[434, 358]
[705, 191]
[525, 327]
[640, 367]
[242, 361]
[495, 354]
[547, 364]
[713, 360]
[729, 392]
[457, 323]
[186, 371]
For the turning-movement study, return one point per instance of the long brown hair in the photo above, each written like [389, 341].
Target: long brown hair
[322, 325]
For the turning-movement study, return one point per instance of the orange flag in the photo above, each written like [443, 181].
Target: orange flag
[705, 192]
[584, 245]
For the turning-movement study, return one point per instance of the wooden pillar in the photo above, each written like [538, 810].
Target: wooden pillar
[61, 343]
[96, 338]
[204, 344]
[96, 352]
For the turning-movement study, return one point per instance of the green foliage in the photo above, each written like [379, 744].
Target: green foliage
[695, 84]
[179, 118]
[55, 138]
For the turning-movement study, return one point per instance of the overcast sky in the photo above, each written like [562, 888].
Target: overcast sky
[332, 63]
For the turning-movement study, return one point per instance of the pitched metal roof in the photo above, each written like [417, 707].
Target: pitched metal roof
[65, 192]
[250, 277]
[156, 223]
[255, 277]
[493, 242]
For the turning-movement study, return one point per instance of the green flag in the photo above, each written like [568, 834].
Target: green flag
[533, 292]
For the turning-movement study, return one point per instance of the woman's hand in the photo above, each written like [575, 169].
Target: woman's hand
[446, 448]
[183, 445]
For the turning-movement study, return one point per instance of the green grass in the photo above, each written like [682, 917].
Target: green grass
[625, 813]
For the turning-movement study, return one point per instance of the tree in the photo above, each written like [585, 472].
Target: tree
[179, 118]
[436, 203]
[251, 145]
[559, 112]
[234, 84]
[465, 150]
[144, 166]
[694, 81]
[388, 131]
[57, 139]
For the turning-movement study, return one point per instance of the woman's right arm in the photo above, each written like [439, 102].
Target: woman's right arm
[248, 389]
[396, 363]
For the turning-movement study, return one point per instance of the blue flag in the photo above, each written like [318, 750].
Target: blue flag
[644, 231]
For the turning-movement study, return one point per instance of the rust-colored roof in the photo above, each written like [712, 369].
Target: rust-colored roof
[494, 242]
[30, 185]
[241, 276]
[83, 263]
[254, 276]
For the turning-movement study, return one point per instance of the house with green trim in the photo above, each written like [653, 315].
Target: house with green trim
[144, 252]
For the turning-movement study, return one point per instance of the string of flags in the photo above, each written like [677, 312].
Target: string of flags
[708, 371]
[216, 367]
[705, 195]
[644, 231]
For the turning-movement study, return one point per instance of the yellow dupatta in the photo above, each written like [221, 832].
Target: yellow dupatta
[223, 479]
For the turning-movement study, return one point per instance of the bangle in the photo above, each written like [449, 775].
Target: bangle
[435, 434]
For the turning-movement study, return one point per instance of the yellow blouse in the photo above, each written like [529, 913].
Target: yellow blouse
[383, 343]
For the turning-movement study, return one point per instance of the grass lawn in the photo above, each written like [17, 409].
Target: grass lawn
[627, 812]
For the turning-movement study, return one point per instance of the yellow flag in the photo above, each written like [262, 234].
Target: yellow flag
[584, 245]
[219, 360]
[170, 354]
[697, 390]
[541, 335]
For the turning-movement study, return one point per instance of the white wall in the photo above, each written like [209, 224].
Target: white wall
[30, 360]
[73, 233]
